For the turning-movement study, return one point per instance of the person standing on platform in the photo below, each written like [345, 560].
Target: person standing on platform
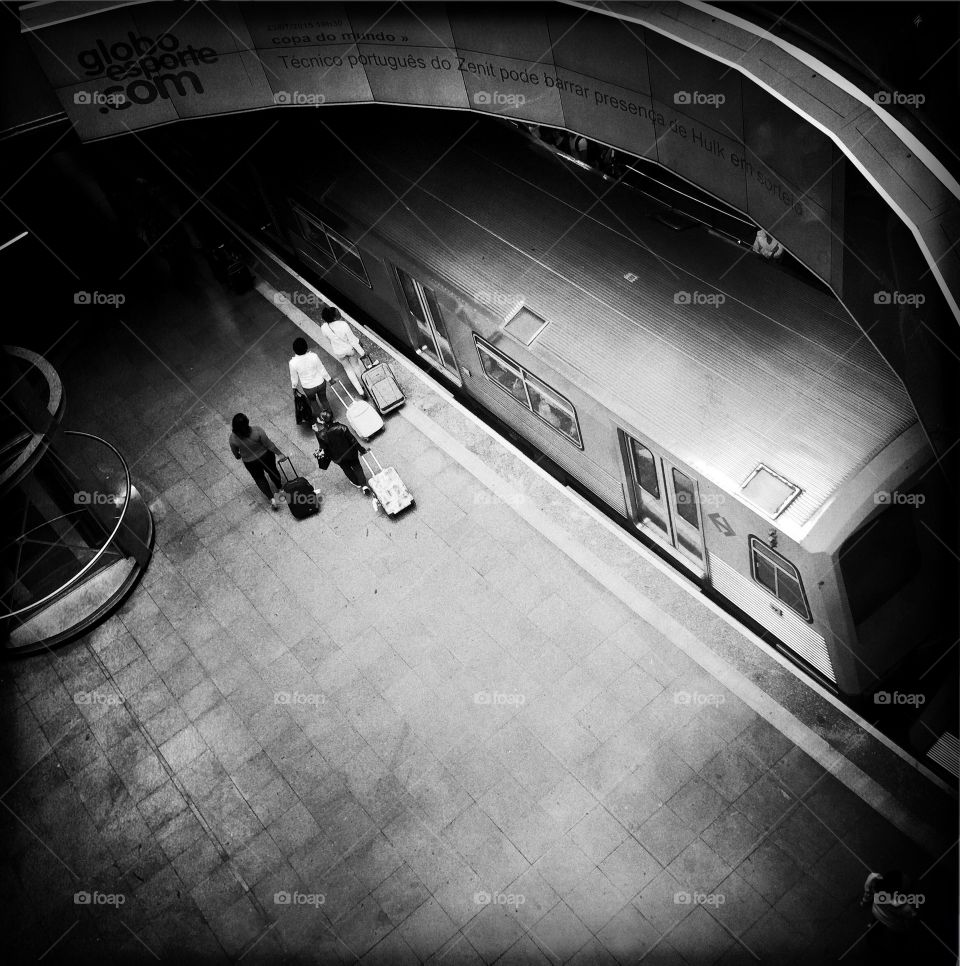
[767, 246]
[338, 445]
[252, 445]
[344, 345]
[309, 376]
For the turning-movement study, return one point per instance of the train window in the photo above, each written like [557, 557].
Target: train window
[644, 469]
[556, 412]
[686, 492]
[347, 256]
[331, 246]
[879, 559]
[314, 234]
[503, 375]
[779, 576]
[539, 398]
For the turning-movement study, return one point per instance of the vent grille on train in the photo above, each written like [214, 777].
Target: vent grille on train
[946, 753]
[754, 600]
[574, 462]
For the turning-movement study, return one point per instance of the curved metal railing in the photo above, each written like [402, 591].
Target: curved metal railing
[90, 563]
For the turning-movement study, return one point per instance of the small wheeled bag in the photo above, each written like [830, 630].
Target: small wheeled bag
[301, 498]
[301, 408]
[361, 417]
[382, 386]
[391, 492]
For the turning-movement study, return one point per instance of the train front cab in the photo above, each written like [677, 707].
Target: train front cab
[891, 577]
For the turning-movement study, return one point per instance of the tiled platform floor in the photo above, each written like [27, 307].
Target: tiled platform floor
[435, 734]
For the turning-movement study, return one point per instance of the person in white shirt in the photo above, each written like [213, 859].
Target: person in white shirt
[308, 375]
[344, 345]
[767, 246]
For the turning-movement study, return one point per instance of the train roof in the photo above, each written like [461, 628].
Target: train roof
[775, 374]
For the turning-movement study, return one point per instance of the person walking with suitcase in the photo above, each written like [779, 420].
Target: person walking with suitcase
[338, 445]
[252, 445]
[344, 345]
[309, 376]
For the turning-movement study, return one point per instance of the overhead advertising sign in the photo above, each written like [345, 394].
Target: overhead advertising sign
[614, 82]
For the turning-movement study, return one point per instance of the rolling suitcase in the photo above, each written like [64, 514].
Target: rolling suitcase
[362, 418]
[391, 492]
[381, 384]
[301, 499]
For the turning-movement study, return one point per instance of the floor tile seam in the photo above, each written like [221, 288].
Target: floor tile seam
[192, 805]
[755, 697]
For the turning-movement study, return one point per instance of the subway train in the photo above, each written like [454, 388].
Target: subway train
[727, 411]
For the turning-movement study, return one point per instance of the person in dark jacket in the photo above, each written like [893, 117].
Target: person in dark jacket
[338, 445]
[259, 455]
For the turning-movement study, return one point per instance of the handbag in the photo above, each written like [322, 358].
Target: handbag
[323, 461]
[301, 408]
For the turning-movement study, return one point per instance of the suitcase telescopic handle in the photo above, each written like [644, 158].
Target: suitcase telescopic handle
[371, 455]
[333, 385]
[283, 472]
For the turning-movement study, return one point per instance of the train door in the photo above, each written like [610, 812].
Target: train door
[665, 503]
[432, 341]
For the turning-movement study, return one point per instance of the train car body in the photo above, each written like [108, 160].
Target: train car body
[732, 414]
